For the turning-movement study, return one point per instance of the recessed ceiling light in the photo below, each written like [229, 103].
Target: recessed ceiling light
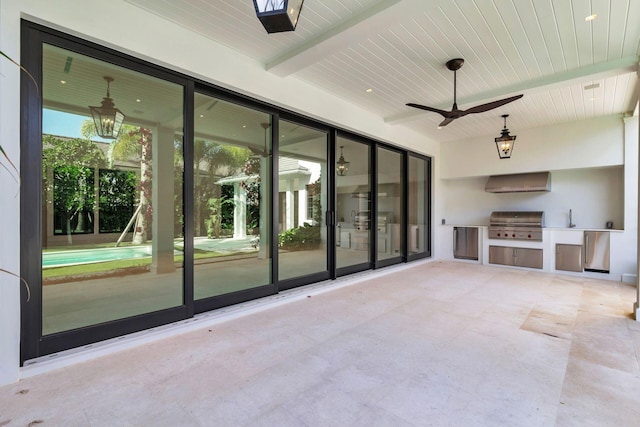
[138, 100]
[369, 90]
[63, 81]
[244, 126]
[201, 115]
[591, 17]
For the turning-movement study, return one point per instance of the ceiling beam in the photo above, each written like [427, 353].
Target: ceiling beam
[337, 37]
[593, 72]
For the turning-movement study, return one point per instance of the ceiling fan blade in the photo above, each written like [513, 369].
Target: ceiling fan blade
[446, 122]
[490, 105]
[443, 113]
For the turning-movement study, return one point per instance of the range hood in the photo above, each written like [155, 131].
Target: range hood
[519, 183]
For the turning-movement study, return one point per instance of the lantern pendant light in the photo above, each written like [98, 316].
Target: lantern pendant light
[107, 118]
[278, 16]
[505, 142]
[342, 166]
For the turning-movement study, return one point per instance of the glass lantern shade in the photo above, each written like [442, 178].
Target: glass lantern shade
[342, 166]
[107, 118]
[505, 142]
[278, 16]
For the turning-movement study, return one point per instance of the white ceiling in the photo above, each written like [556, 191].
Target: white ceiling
[543, 49]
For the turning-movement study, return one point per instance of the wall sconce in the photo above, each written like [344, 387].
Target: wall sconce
[278, 16]
[505, 142]
[107, 118]
[342, 166]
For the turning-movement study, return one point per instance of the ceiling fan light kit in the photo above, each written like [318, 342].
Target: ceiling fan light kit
[455, 113]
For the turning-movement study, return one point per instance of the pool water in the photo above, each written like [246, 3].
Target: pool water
[86, 256]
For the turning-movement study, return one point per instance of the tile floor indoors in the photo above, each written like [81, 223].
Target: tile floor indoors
[432, 344]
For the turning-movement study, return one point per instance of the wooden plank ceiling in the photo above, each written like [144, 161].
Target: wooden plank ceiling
[397, 48]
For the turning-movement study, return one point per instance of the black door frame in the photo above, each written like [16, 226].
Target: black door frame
[33, 344]
[329, 214]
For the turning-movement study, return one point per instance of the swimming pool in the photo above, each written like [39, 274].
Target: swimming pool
[86, 256]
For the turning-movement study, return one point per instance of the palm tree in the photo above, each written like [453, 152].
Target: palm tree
[212, 160]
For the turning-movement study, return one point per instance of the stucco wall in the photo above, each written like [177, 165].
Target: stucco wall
[584, 144]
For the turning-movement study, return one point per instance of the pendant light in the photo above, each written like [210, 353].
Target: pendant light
[505, 142]
[107, 118]
[342, 166]
[278, 16]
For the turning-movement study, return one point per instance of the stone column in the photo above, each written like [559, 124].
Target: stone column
[239, 211]
[265, 216]
[289, 205]
[162, 201]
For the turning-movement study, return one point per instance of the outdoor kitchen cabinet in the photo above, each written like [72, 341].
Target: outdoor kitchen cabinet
[568, 257]
[517, 257]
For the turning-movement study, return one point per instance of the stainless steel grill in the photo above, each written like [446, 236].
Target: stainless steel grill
[516, 225]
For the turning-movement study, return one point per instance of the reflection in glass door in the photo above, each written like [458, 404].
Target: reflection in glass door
[231, 214]
[353, 203]
[418, 207]
[112, 224]
[302, 230]
[390, 204]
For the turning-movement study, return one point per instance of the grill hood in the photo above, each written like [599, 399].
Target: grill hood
[519, 183]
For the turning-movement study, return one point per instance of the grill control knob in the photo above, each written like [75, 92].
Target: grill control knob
[529, 236]
[513, 235]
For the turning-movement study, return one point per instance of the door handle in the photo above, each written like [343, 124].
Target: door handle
[586, 250]
[455, 240]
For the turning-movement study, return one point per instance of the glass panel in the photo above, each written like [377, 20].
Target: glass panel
[302, 241]
[418, 184]
[390, 204]
[232, 175]
[353, 204]
[111, 242]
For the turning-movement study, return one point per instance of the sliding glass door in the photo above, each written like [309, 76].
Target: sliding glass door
[302, 204]
[112, 203]
[389, 218]
[150, 197]
[418, 207]
[353, 205]
[232, 203]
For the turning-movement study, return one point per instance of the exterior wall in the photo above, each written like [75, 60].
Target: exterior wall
[599, 183]
[173, 47]
[585, 144]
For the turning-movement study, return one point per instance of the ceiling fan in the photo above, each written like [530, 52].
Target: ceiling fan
[455, 113]
[255, 153]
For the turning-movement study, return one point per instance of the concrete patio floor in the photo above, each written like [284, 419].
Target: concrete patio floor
[427, 344]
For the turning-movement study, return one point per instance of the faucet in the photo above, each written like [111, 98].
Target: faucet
[571, 224]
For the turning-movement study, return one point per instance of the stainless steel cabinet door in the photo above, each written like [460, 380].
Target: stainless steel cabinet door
[501, 255]
[531, 258]
[596, 251]
[568, 257]
[519, 257]
[465, 242]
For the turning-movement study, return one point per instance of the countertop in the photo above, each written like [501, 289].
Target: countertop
[613, 230]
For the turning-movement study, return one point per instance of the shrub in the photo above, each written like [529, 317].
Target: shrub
[304, 237]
